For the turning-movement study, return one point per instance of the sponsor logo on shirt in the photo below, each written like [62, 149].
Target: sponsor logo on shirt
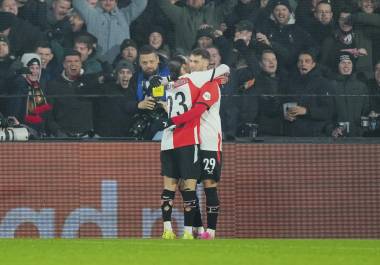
[206, 96]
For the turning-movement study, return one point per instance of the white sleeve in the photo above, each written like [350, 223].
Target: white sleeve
[200, 78]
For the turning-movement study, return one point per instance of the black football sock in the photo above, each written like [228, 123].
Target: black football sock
[212, 207]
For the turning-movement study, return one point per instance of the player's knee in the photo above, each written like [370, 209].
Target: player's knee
[189, 200]
[189, 185]
[210, 183]
[167, 198]
[212, 200]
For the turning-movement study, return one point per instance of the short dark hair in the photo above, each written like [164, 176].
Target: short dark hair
[147, 49]
[86, 39]
[201, 52]
[267, 51]
[323, 2]
[43, 44]
[310, 53]
[71, 53]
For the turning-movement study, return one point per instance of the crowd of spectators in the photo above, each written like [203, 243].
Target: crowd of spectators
[82, 68]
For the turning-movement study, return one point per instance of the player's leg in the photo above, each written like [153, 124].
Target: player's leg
[198, 224]
[211, 165]
[190, 170]
[198, 228]
[212, 207]
[189, 199]
[168, 170]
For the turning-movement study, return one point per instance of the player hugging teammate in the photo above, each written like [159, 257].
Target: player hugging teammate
[191, 145]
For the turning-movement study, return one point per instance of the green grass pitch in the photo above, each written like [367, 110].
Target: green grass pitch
[194, 252]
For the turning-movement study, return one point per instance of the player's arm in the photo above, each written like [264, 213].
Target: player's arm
[208, 96]
[200, 78]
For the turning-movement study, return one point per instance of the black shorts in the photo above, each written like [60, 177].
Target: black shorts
[211, 165]
[183, 162]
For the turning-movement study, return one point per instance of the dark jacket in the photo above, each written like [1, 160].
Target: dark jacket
[287, 41]
[7, 76]
[23, 37]
[35, 12]
[374, 100]
[310, 91]
[267, 109]
[351, 102]
[366, 28]
[115, 110]
[72, 107]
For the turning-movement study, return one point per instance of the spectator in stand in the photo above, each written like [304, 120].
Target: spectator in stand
[308, 115]
[108, 18]
[372, 7]
[282, 35]
[245, 48]
[29, 105]
[263, 105]
[349, 108]
[354, 34]
[374, 100]
[85, 45]
[150, 18]
[34, 11]
[7, 74]
[244, 10]
[21, 34]
[50, 67]
[57, 19]
[72, 116]
[129, 52]
[114, 112]
[156, 39]
[189, 18]
[304, 12]
[77, 28]
[321, 25]
[374, 88]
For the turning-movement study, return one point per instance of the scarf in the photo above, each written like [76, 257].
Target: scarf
[36, 103]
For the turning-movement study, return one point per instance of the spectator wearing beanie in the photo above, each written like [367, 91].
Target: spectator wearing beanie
[348, 108]
[281, 34]
[30, 105]
[114, 112]
[128, 51]
[156, 39]
[355, 34]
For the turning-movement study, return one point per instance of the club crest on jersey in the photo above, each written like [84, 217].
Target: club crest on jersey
[206, 96]
[180, 82]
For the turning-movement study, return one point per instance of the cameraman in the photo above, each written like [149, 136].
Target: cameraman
[150, 109]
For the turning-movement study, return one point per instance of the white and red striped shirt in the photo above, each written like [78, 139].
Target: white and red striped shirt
[181, 96]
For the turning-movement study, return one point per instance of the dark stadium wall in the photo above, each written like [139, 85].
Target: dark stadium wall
[112, 189]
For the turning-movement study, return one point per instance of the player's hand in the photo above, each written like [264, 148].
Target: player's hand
[168, 124]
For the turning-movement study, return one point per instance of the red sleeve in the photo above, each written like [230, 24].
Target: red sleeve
[209, 94]
[193, 113]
